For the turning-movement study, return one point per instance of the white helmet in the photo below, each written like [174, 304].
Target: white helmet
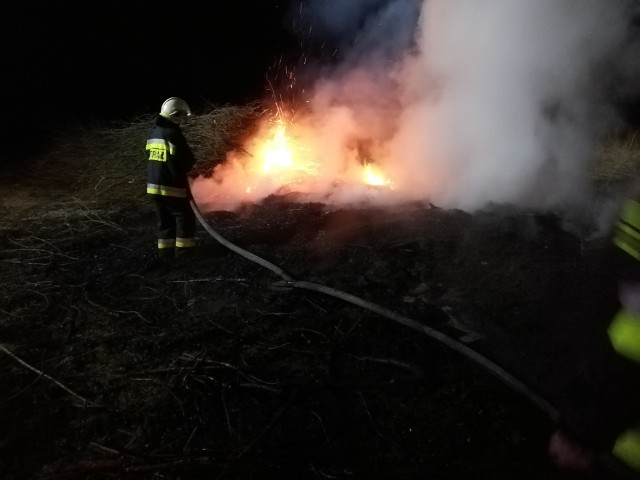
[175, 109]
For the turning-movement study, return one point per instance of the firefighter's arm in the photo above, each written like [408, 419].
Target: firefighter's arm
[185, 158]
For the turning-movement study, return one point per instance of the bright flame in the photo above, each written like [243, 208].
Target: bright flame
[284, 157]
[298, 157]
[373, 175]
[277, 153]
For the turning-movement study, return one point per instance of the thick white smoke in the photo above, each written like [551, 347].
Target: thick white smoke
[461, 102]
[519, 96]
[499, 100]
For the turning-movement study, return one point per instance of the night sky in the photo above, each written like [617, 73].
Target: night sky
[85, 61]
[106, 61]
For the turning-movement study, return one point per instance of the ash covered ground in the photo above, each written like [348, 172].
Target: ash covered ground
[198, 368]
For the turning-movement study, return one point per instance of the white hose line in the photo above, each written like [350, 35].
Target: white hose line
[254, 258]
[458, 347]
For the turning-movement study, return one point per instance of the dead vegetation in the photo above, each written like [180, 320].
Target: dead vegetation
[116, 366]
[617, 160]
[107, 162]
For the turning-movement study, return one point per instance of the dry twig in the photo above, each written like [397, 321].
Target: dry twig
[48, 377]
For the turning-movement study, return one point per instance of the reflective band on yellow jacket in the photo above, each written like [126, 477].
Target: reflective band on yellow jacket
[158, 149]
[185, 242]
[624, 333]
[154, 189]
[166, 243]
[627, 235]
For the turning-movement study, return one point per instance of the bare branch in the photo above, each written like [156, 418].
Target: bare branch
[48, 377]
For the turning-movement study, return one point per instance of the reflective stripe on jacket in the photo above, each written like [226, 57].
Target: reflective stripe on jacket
[169, 159]
[185, 242]
[627, 236]
[154, 189]
[160, 149]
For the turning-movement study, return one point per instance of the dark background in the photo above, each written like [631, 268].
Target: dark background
[66, 62]
[70, 63]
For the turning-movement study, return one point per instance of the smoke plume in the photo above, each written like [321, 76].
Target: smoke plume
[461, 102]
[508, 98]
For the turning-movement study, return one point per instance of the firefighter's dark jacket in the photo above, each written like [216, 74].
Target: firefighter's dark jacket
[169, 159]
[604, 412]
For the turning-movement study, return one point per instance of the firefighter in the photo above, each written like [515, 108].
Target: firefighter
[169, 159]
[606, 415]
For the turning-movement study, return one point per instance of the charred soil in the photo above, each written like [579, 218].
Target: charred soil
[199, 368]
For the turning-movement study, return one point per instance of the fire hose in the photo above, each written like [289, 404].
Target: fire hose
[288, 282]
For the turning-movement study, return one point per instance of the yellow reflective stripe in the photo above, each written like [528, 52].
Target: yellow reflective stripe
[628, 229]
[624, 333]
[154, 189]
[628, 239]
[158, 147]
[627, 448]
[627, 243]
[630, 213]
[161, 143]
[166, 242]
[185, 242]
[627, 236]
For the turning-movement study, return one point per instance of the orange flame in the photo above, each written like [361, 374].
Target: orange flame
[374, 176]
[279, 154]
[285, 156]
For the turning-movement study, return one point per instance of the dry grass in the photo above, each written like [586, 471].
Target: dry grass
[193, 364]
[219, 131]
[617, 160]
[82, 192]
[107, 163]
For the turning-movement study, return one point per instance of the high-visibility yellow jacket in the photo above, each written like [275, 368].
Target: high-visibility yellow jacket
[627, 236]
[624, 330]
[169, 159]
[624, 334]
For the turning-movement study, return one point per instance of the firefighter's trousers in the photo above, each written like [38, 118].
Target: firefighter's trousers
[176, 226]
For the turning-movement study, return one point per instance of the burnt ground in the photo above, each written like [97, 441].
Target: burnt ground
[197, 368]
